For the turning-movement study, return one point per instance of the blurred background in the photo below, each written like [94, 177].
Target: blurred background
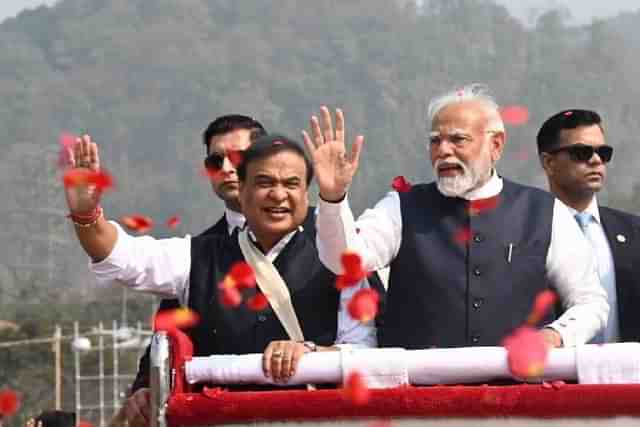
[145, 77]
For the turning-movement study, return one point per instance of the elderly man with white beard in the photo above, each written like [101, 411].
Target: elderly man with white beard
[469, 252]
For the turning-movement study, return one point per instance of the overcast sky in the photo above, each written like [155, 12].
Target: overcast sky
[582, 11]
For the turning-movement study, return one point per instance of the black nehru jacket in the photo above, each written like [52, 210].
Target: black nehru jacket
[224, 330]
[220, 228]
[447, 291]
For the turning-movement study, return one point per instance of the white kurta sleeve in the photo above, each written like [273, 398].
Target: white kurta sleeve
[146, 264]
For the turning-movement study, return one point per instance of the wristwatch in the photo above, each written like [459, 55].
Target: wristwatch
[310, 345]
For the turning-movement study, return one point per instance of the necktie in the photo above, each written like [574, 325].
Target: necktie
[605, 272]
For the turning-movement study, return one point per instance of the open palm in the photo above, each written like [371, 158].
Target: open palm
[334, 169]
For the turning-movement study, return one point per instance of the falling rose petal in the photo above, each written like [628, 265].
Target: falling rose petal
[77, 177]
[138, 223]
[356, 390]
[242, 275]
[478, 206]
[343, 283]
[462, 236]
[101, 179]
[352, 270]
[213, 174]
[229, 296]
[173, 222]
[66, 142]
[514, 115]
[526, 353]
[543, 302]
[258, 302]
[235, 157]
[568, 113]
[363, 305]
[400, 184]
[9, 402]
[179, 318]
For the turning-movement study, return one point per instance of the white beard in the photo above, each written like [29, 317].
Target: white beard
[457, 186]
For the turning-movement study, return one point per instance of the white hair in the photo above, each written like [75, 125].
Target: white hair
[471, 92]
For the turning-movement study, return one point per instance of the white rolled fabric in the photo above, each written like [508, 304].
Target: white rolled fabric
[391, 367]
[609, 364]
[314, 368]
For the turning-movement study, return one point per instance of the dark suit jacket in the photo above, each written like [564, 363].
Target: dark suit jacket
[142, 377]
[623, 232]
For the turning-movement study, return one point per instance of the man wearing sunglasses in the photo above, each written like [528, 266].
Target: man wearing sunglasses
[574, 155]
[225, 137]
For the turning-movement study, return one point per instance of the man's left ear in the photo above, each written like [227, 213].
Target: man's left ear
[498, 139]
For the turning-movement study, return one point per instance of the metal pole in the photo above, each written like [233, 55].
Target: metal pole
[101, 371]
[57, 337]
[115, 368]
[76, 357]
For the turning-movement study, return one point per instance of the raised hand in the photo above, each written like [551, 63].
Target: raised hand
[83, 195]
[334, 169]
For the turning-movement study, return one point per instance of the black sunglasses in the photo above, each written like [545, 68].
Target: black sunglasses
[583, 152]
[215, 161]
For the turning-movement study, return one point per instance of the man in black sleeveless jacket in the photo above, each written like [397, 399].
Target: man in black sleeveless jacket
[274, 178]
[469, 252]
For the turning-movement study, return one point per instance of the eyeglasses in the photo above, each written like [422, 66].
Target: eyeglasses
[584, 153]
[215, 161]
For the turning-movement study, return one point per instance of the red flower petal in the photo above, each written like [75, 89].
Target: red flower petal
[139, 223]
[568, 113]
[235, 157]
[462, 236]
[352, 270]
[356, 390]
[101, 179]
[77, 177]
[526, 353]
[230, 296]
[514, 115]
[173, 222]
[66, 142]
[242, 275]
[363, 305]
[212, 173]
[544, 301]
[400, 184]
[178, 318]
[558, 384]
[258, 302]
[478, 206]
[9, 402]
[84, 423]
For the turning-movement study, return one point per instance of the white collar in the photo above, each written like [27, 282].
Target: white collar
[592, 209]
[278, 247]
[234, 219]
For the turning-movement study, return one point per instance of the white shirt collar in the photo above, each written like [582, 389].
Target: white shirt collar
[592, 209]
[491, 188]
[234, 219]
[278, 247]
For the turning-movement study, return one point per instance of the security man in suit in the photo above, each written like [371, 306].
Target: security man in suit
[574, 155]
